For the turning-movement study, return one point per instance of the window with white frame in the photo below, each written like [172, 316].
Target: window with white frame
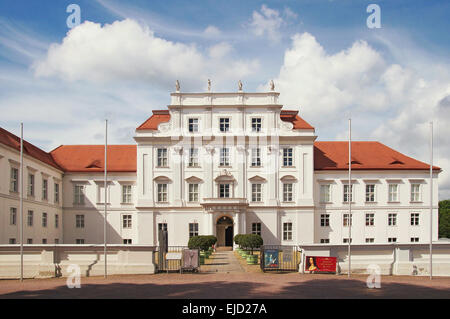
[256, 124]
[56, 220]
[325, 193]
[393, 192]
[79, 221]
[324, 220]
[56, 193]
[414, 219]
[193, 125]
[30, 218]
[79, 194]
[256, 157]
[415, 192]
[287, 231]
[392, 219]
[193, 229]
[256, 229]
[101, 193]
[256, 192]
[224, 190]
[44, 189]
[126, 221]
[224, 156]
[370, 193]
[193, 157]
[287, 157]
[224, 124]
[12, 216]
[287, 192]
[370, 219]
[346, 222]
[193, 192]
[348, 193]
[44, 219]
[162, 160]
[30, 185]
[162, 192]
[14, 180]
[127, 194]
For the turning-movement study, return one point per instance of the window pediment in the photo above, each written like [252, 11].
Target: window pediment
[288, 179]
[162, 179]
[257, 179]
[194, 180]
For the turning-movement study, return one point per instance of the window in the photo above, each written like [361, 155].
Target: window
[348, 193]
[256, 229]
[162, 226]
[30, 241]
[30, 185]
[256, 124]
[44, 219]
[256, 192]
[44, 189]
[126, 221]
[414, 219]
[287, 192]
[56, 220]
[370, 193]
[79, 241]
[44, 241]
[126, 194]
[56, 241]
[79, 195]
[325, 193]
[256, 157]
[193, 192]
[224, 124]
[370, 219]
[392, 219]
[14, 181]
[325, 220]
[127, 241]
[162, 193]
[224, 190]
[193, 229]
[30, 218]
[325, 241]
[287, 231]
[193, 125]
[193, 157]
[287, 156]
[345, 240]
[370, 240]
[415, 192]
[392, 239]
[393, 192]
[414, 239]
[12, 216]
[162, 160]
[345, 221]
[224, 156]
[12, 241]
[79, 221]
[56, 193]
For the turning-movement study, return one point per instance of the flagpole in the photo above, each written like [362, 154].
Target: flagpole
[431, 200]
[350, 198]
[21, 201]
[106, 203]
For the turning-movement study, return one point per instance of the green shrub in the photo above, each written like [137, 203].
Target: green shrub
[201, 242]
[237, 240]
[251, 241]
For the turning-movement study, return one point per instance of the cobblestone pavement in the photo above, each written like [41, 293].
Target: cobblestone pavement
[222, 262]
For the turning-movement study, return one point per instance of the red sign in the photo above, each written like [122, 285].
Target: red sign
[320, 264]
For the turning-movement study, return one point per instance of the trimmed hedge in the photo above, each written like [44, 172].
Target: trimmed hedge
[201, 242]
[237, 240]
[251, 241]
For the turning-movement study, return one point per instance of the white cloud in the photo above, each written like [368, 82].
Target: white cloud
[267, 22]
[212, 31]
[220, 50]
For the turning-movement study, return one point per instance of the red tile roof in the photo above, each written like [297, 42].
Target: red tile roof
[11, 140]
[297, 121]
[365, 156]
[90, 158]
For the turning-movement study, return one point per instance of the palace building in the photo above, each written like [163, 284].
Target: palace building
[221, 164]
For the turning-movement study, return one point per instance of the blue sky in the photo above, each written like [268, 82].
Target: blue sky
[123, 60]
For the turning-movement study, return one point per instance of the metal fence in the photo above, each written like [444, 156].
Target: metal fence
[279, 258]
[170, 265]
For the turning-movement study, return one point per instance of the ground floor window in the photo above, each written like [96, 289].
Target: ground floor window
[126, 221]
[287, 231]
[256, 228]
[370, 240]
[127, 241]
[392, 240]
[12, 241]
[29, 241]
[79, 241]
[414, 239]
[325, 220]
[370, 219]
[325, 241]
[162, 226]
[44, 241]
[193, 229]
[346, 240]
[392, 219]
[56, 241]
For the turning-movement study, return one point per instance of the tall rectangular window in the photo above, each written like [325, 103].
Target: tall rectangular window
[393, 192]
[79, 221]
[287, 192]
[126, 221]
[44, 219]
[127, 194]
[325, 220]
[348, 193]
[370, 219]
[415, 192]
[193, 192]
[256, 228]
[325, 193]
[193, 125]
[392, 219]
[193, 229]
[30, 218]
[79, 195]
[30, 185]
[370, 193]
[12, 216]
[224, 124]
[56, 193]
[414, 219]
[56, 220]
[287, 156]
[256, 156]
[162, 160]
[256, 124]
[44, 189]
[256, 192]
[224, 190]
[346, 222]
[162, 192]
[224, 156]
[287, 231]
[14, 180]
[193, 157]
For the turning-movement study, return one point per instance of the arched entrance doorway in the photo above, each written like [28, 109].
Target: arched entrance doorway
[224, 231]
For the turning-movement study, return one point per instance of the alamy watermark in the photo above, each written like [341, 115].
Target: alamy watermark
[74, 278]
[374, 279]
[74, 19]
[374, 19]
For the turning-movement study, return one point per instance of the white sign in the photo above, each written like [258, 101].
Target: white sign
[173, 256]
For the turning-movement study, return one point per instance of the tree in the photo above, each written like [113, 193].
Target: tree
[251, 241]
[444, 219]
[237, 240]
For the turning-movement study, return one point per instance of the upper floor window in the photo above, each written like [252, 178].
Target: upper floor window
[256, 228]
[224, 190]
[224, 156]
[325, 193]
[287, 156]
[193, 229]
[193, 125]
[346, 221]
[256, 157]
[256, 192]
[126, 221]
[79, 194]
[287, 231]
[193, 157]
[348, 193]
[256, 124]
[56, 220]
[415, 192]
[14, 181]
[30, 184]
[287, 192]
[415, 219]
[44, 189]
[79, 221]
[162, 160]
[162, 193]
[30, 218]
[193, 192]
[12, 216]
[370, 219]
[224, 124]
[393, 192]
[56, 193]
[325, 220]
[127, 194]
[44, 219]
[370, 193]
[392, 219]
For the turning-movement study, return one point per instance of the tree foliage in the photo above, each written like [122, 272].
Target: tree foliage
[444, 219]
